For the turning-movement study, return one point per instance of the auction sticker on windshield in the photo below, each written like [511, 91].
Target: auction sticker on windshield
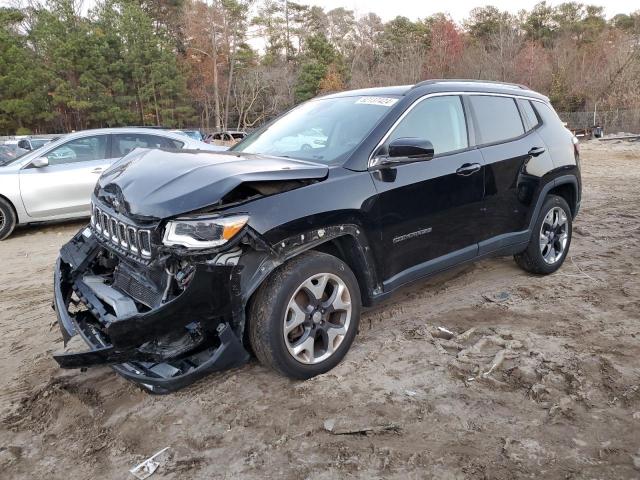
[384, 101]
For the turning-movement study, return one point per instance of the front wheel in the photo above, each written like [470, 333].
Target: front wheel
[7, 219]
[304, 318]
[550, 238]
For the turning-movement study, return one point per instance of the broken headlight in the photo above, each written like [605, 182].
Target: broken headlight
[204, 231]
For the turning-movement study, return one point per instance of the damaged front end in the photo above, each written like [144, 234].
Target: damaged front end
[157, 284]
[160, 319]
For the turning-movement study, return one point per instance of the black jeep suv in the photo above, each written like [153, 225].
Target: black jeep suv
[192, 259]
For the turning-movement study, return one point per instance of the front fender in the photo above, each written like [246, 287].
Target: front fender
[258, 265]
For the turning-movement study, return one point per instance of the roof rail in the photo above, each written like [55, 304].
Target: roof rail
[468, 80]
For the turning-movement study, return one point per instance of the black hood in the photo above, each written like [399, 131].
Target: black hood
[161, 184]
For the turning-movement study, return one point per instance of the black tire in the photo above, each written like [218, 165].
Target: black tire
[7, 219]
[532, 260]
[269, 307]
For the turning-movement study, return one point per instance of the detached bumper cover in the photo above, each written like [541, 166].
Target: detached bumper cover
[116, 341]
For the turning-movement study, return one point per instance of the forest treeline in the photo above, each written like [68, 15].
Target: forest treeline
[236, 63]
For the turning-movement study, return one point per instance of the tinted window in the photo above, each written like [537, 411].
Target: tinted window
[498, 118]
[439, 120]
[548, 115]
[126, 142]
[529, 114]
[79, 150]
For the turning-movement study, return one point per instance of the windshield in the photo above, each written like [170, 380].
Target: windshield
[322, 130]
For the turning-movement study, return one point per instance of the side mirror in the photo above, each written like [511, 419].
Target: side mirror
[412, 148]
[405, 150]
[40, 162]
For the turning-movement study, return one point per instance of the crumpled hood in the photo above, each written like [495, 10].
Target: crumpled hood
[161, 184]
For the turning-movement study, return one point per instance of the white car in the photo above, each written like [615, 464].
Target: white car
[55, 181]
[306, 140]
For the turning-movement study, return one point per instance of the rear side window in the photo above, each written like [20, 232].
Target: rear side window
[497, 117]
[529, 114]
[124, 143]
[548, 115]
[439, 120]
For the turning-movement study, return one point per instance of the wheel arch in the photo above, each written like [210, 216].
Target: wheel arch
[347, 249]
[347, 242]
[567, 188]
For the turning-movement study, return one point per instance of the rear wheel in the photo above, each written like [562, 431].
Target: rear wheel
[7, 219]
[550, 239]
[303, 319]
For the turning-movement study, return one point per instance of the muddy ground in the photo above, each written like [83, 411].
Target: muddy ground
[561, 401]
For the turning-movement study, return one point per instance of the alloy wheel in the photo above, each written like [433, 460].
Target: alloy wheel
[317, 318]
[554, 234]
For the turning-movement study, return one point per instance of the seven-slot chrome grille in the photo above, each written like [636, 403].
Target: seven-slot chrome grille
[127, 237]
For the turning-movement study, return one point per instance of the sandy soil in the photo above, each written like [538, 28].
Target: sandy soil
[542, 379]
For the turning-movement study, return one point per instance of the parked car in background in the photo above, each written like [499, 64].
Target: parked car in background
[226, 136]
[195, 134]
[55, 181]
[9, 152]
[184, 270]
[306, 139]
[32, 143]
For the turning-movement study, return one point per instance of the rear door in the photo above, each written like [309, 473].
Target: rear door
[64, 187]
[509, 142]
[429, 209]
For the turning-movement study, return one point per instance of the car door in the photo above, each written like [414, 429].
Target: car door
[64, 186]
[429, 210]
[511, 149]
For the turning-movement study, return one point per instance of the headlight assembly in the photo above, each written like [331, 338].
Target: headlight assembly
[203, 232]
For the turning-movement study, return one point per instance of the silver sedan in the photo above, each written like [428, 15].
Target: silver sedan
[55, 182]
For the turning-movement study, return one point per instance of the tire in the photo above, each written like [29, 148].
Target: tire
[549, 244]
[337, 314]
[7, 219]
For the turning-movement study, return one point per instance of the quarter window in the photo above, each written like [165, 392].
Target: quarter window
[439, 120]
[529, 114]
[83, 149]
[497, 117]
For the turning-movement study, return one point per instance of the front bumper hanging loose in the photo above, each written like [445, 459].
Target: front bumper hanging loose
[117, 341]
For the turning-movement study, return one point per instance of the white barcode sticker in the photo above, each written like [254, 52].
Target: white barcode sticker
[384, 101]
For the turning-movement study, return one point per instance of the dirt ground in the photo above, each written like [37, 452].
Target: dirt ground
[542, 379]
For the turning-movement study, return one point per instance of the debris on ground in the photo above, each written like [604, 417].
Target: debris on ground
[497, 297]
[149, 466]
[344, 428]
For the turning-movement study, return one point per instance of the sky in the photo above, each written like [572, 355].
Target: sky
[458, 9]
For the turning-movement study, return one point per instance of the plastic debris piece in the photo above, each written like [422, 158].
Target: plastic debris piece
[148, 467]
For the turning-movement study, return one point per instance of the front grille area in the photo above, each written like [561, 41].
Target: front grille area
[132, 239]
[141, 291]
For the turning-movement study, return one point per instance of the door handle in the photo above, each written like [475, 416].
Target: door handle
[535, 151]
[468, 169]
[98, 170]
